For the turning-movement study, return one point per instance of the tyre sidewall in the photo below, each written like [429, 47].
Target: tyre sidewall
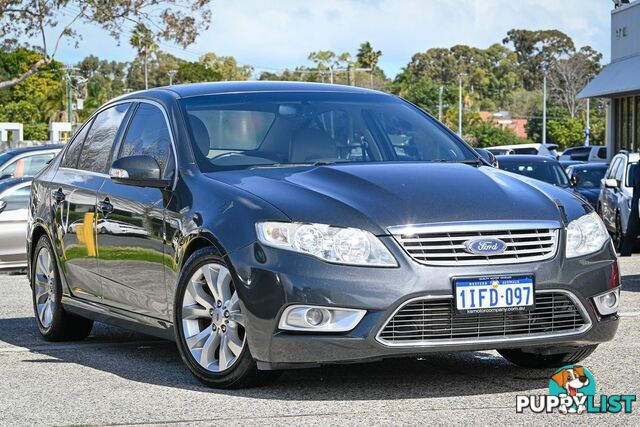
[244, 367]
[57, 312]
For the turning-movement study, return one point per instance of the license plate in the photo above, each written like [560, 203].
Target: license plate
[494, 293]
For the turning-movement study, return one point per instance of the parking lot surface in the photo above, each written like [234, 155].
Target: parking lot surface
[119, 377]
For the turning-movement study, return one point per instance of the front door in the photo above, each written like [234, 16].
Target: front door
[131, 225]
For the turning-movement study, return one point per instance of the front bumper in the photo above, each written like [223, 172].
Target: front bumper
[283, 278]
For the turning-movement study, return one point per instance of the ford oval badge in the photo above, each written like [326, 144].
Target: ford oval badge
[485, 246]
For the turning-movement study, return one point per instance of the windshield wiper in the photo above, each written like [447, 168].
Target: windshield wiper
[293, 165]
[466, 162]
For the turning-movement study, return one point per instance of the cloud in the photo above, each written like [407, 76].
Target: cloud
[281, 33]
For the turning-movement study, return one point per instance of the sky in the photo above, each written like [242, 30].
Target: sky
[275, 34]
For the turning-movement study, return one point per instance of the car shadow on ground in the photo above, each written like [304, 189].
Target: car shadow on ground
[145, 359]
[631, 283]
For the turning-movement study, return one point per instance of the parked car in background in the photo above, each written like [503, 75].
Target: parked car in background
[499, 151]
[286, 227]
[14, 202]
[549, 150]
[566, 163]
[541, 168]
[27, 161]
[616, 191]
[592, 153]
[586, 179]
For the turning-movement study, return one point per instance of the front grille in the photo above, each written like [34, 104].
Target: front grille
[440, 245]
[425, 322]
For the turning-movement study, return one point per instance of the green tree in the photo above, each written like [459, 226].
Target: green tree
[178, 21]
[226, 67]
[536, 50]
[143, 40]
[194, 72]
[367, 57]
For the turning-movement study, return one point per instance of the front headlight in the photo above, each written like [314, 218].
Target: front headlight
[333, 244]
[585, 235]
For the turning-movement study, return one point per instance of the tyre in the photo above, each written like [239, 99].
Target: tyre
[537, 361]
[54, 323]
[209, 325]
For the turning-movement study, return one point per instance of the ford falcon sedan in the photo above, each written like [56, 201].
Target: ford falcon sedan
[268, 225]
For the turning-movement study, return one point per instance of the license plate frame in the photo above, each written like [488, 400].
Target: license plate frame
[502, 280]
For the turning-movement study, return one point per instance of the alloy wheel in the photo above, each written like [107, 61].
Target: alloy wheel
[45, 287]
[212, 323]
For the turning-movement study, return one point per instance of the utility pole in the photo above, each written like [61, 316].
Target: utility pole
[544, 107]
[171, 73]
[69, 97]
[460, 106]
[587, 129]
[440, 104]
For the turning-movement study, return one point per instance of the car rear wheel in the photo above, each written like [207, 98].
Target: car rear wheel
[54, 323]
[536, 360]
[209, 324]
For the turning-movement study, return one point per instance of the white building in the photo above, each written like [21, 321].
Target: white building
[619, 82]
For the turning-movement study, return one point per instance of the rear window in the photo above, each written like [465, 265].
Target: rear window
[529, 150]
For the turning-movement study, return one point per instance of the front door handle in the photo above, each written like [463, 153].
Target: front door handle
[105, 207]
[58, 196]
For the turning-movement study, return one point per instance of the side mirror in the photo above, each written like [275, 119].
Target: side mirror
[488, 156]
[3, 205]
[138, 171]
[611, 183]
[574, 180]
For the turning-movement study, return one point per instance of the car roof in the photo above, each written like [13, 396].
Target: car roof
[22, 150]
[633, 157]
[216, 88]
[531, 158]
[7, 184]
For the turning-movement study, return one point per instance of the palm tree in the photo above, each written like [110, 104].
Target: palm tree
[143, 40]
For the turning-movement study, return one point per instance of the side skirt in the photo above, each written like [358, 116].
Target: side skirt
[117, 317]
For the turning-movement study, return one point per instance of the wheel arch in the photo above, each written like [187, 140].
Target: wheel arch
[197, 242]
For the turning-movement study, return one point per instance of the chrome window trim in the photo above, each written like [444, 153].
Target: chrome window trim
[487, 340]
[133, 101]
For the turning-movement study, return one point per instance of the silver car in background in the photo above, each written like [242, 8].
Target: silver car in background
[614, 204]
[14, 202]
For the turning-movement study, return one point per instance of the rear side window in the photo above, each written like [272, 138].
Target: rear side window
[147, 135]
[70, 159]
[100, 138]
[17, 199]
[602, 153]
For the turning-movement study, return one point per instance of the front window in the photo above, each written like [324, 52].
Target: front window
[550, 172]
[262, 129]
[631, 168]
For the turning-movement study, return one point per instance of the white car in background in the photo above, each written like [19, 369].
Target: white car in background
[616, 191]
[14, 204]
[549, 150]
[592, 153]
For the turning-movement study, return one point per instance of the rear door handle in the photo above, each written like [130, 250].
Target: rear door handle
[58, 196]
[105, 207]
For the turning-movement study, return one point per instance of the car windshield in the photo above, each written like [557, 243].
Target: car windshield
[290, 128]
[589, 177]
[4, 157]
[550, 172]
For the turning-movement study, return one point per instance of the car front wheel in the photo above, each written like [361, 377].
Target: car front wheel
[209, 325]
[538, 361]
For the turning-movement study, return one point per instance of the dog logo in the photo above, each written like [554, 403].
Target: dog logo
[575, 382]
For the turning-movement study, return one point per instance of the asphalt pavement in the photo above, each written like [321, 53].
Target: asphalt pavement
[120, 377]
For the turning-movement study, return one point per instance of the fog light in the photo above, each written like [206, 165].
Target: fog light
[608, 302]
[320, 319]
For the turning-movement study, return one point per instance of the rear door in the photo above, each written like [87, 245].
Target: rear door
[74, 194]
[130, 222]
[13, 225]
